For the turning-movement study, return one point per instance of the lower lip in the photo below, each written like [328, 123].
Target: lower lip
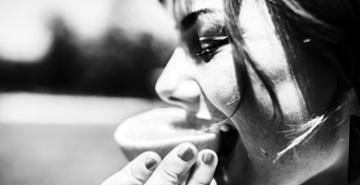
[160, 130]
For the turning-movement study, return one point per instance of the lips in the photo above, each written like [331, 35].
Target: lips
[162, 129]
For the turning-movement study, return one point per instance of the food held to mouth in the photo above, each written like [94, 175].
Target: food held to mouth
[162, 129]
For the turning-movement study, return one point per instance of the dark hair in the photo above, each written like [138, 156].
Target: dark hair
[333, 30]
[333, 27]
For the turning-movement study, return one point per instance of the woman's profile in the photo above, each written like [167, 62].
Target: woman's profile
[285, 76]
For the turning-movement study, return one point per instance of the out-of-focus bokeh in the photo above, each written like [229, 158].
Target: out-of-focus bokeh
[106, 47]
[70, 72]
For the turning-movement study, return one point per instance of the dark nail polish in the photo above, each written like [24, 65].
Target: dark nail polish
[186, 153]
[150, 164]
[208, 158]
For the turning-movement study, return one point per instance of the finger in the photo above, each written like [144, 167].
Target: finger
[175, 166]
[213, 182]
[136, 172]
[205, 168]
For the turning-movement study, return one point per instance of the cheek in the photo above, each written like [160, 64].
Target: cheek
[219, 81]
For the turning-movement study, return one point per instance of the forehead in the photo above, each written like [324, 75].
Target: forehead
[184, 7]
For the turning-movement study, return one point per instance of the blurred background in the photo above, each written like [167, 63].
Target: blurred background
[70, 72]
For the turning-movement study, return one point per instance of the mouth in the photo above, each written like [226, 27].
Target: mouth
[162, 129]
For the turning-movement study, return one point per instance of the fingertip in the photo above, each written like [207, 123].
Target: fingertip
[186, 151]
[175, 165]
[187, 144]
[150, 154]
[208, 157]
[213, 182]
[141, 168]
[205, 168]
[152, 160]
[149, 160]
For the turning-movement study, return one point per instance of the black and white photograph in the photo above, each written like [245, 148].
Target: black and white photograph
[179, 92]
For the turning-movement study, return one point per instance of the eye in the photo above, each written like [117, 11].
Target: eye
[209, 46]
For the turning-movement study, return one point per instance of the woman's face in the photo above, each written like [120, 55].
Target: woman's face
[203, 77]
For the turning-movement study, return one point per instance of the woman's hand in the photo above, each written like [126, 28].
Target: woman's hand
[174, 169]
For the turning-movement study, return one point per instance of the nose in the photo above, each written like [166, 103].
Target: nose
[177, 84]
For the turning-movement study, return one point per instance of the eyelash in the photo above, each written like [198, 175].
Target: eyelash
[209, 47]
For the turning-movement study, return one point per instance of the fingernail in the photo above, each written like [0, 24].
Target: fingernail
[186, 153]
[225, 128]
[150, 164]
[208, 158]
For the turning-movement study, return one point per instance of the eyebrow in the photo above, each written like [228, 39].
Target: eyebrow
[191, 18]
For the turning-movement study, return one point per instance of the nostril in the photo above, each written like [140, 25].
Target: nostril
[172, 98]
[185, 94]
[178, 100]
[184, 99]
[166, 95]
[187, 103]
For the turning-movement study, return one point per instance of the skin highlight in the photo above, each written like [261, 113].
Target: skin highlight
[280, 77]
[300, 92]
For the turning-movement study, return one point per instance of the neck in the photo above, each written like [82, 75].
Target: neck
[337, 174]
